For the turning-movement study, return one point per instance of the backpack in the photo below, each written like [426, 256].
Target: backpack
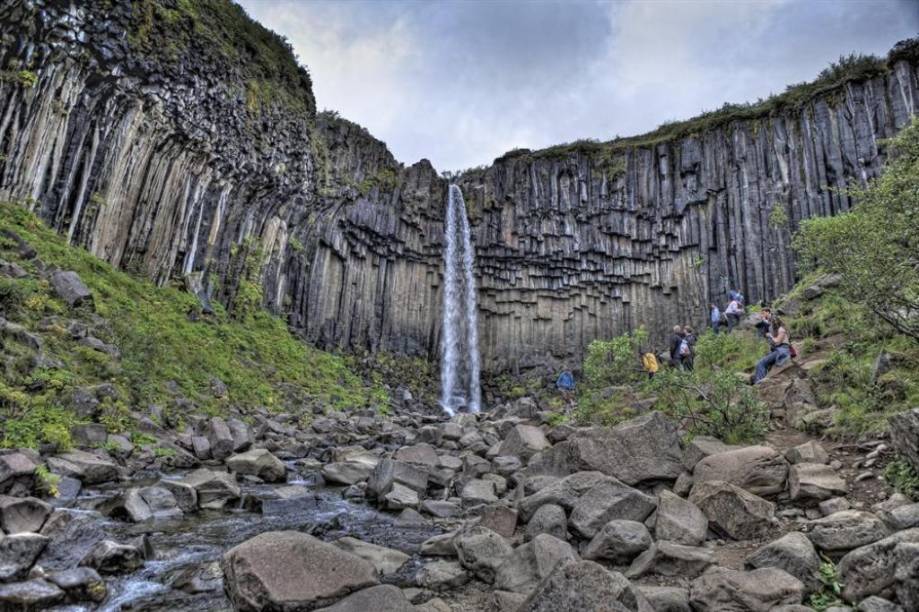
[565, 381]
[684, 347]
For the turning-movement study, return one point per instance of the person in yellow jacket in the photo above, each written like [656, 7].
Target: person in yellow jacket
[649, 363]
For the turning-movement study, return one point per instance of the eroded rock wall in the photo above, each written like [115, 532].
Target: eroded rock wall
[166, 140]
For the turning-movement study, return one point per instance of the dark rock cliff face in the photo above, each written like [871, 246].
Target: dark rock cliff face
[177, 140]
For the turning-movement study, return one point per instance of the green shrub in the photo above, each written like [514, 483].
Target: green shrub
[13, 296]
[830, 592]
[902, 477]
[713, 403]
[47, 480]
[614, 362]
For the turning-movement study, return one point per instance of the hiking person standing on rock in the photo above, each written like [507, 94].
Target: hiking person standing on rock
[780, 353]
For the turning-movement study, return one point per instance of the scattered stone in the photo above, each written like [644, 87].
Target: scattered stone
[793, 553]
[184, 493]
[442, 575]
[439, 545]
[607, 501]
[530, 563]
[214, 489]
[70, 287]
[835, 504]
[906, 561]
[904, 435]
[291, 570]
[110, 557]
[759, 590]
[481, 551]
[421, 454]
[757, 469]
[15, 467]
[846, 530]
[732, 511]
[18, 553]
[347, 472]
[549, 519]
[478, 491]
[441, 509]
[220, 437]
[679, 520]
[870, 569]
[523, 441]
[499, 518]
[80, 584]
[258, 462]
[701, 447]
[22, 514]
[400, 497]
[386, 560]
[382, 598]
[809, 482]
[809, 452]
[564, 492]
[89, 468]
[878, 604]
[666, 599]
[389, 472]
[29, 595]
[669, 559]
[619, 542]
[585, 585]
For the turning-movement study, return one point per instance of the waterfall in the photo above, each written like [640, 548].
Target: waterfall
[459, 365]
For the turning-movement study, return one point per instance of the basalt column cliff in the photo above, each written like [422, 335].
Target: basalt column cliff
[181, 140]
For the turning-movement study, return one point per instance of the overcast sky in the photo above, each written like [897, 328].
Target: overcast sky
[461, 82]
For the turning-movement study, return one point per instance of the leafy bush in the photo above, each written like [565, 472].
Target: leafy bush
[614, 362]
[874, 248]
[13, 296]
[712, 402]
[830, 592]
[902, 477]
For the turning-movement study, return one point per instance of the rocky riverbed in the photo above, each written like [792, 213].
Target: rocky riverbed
[497, 511]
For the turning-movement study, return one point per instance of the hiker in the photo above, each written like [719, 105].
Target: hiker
[732, 314]
[715, 317]
[736, 296]
[676, 341]
[688, 348]
[649, 362]
[780, 350]
[764, 323]
[565, 385]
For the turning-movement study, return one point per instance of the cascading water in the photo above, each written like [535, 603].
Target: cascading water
[459, 364]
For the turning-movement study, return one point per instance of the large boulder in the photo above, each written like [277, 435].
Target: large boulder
[220, 438]
[701, 447]
[906, 560]
[523, 441]
[619, 542]
[869, 570]
[814, 482]
[442, 576]
[22, 514]
[36, 594]
[18, 553]
[793, 553]
[667, 599]
[585, 585]
[760, 590]
[419, 454]
[289, 570]
[530, 563]
[381, 598]
[258, 462]
[481, 551]
[15, 468]
[607, 501]
[904, 435]
[213, 489]
[757, 469]
[679, 520]
[732, 511]
[644, 448]
[809, 452]
[669, 559]
[80, 584]
[846, 529]
[110, 557]
[346, 472]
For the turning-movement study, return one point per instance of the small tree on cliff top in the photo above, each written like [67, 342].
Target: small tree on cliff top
[874, 248]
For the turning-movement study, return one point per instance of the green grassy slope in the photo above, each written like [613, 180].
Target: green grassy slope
[168, 350]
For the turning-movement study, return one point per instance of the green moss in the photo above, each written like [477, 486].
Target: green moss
[161, 347]
[23, 78]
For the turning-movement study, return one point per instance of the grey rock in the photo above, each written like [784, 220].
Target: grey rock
[18, 553]
[701, 447]
[87, 467]
[813, 482]
[846, 530]
[906, 575]
[878, 604]
[70, 287]
[347, 472]
[442, 575]
[585, 585]
[607, 501]
[870, 569]
[809, 452]
[258, 462]
[478, 491]
[666, 599]
[382, 598]
[564, 492]
[901, 517]
[523, 441]
[793, 553]
[481, 551]
[291, 570]
[220, 437]
[532, 562]
[619, 542]
[387, 561]
[499, 518]
[109, 557]
[388, 472]
[213, 489]
[549, 519]
[757, 469]
[759, 590]
[904, 435]
[732, 511]
[80, 584]
[679, 520]
[669, 559]
[22, 514]
[33, 594]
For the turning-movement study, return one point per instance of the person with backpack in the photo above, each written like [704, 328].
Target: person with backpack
[676, 341]
[715, 317]
[732, 313]
[736, 296]
[688, 349]
[781, 350]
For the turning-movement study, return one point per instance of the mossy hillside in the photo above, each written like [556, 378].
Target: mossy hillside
[167, 348]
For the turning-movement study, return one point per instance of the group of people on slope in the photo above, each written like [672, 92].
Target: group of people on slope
[732, 314]
[682, 347]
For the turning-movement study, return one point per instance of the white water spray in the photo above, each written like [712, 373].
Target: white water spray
[459, 367]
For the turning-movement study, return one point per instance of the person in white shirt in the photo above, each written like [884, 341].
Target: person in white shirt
[733, 312]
